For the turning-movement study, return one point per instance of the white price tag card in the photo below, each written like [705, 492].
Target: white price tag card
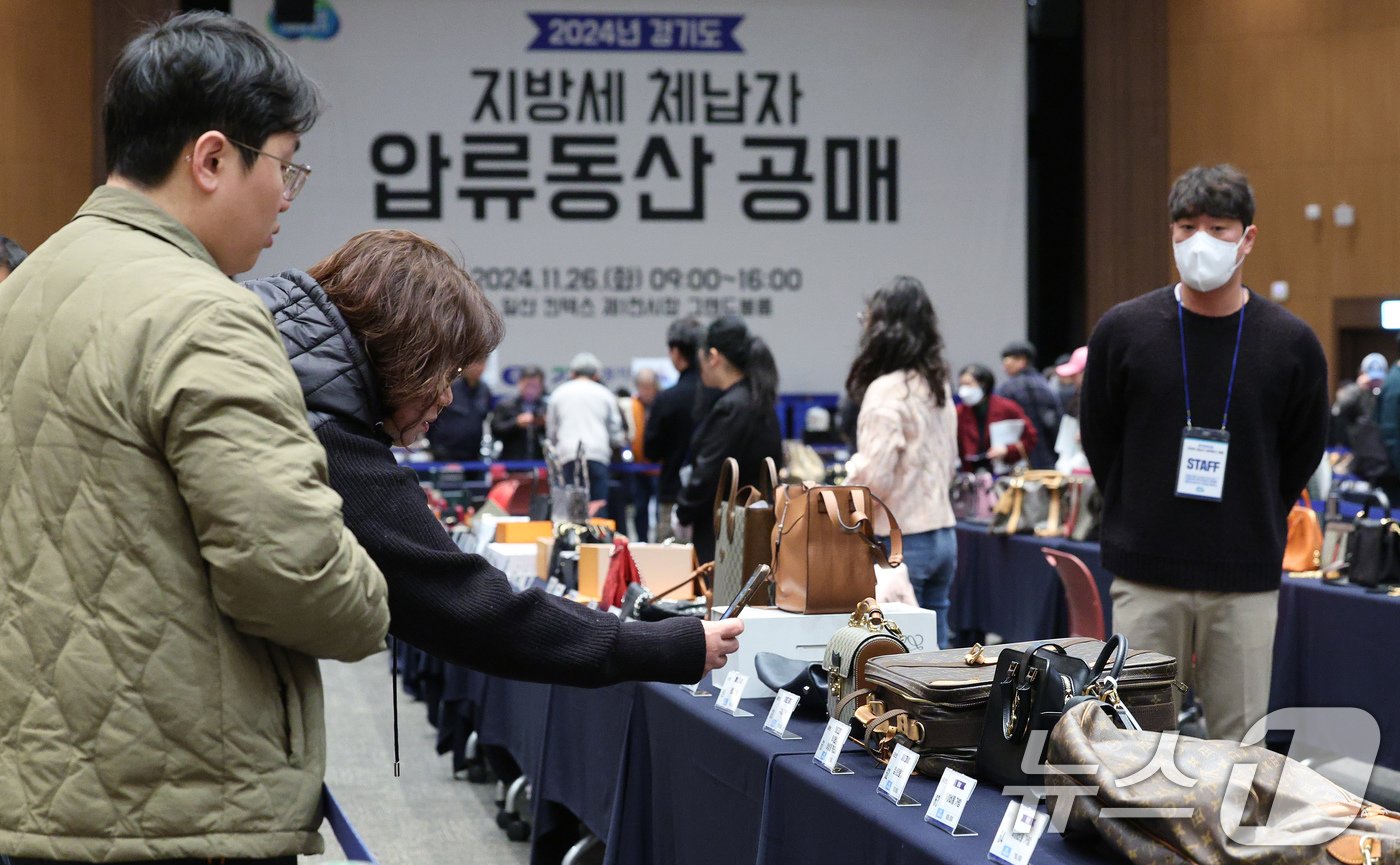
[779, 715]
[1200, 474]
[897, 775]
[697, 689]
[829, 749]
[729, 694]
[1015, 848]
[949, 801]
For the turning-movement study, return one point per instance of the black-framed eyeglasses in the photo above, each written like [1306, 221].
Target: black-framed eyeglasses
[294, 174]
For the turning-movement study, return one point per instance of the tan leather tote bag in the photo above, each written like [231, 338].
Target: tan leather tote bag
[824, 547]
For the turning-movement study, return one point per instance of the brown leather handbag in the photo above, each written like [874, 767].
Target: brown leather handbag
[743, 529]
[1303, 552]
[1151, 813]
[824, 547]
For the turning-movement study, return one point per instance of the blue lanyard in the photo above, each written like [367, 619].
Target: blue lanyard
[1234, 364]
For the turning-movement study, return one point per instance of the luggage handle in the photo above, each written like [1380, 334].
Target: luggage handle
[854, 695]
[882, 724]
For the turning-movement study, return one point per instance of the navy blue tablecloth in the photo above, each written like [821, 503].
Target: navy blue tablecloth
[1337, 646]
[1326, 639]
[813, 816]
[662, 776]
[1004, 586]
[514, 716]
[583, 764]
[696, 782]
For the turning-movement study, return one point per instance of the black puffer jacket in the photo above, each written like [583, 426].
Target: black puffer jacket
[334, 371]
[450, 604]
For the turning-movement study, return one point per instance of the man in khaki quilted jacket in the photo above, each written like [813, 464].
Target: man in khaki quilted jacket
[172, 562]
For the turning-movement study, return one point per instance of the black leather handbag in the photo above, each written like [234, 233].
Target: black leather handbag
[640, 604]
[1029, 689]
[1102, 688]
[1373, 550]
[563, 557]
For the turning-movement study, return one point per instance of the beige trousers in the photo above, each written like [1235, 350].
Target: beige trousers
[1230, 635]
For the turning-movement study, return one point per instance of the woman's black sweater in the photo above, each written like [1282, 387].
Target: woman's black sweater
[452, 605]
[458, 608]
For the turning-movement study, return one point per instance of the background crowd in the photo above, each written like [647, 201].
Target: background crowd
[244, 512]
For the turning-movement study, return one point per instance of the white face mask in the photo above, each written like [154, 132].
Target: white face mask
[1205, 262]
[970, 394]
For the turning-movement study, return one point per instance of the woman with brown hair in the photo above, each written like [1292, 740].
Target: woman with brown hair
[906, 434]
[376, 333]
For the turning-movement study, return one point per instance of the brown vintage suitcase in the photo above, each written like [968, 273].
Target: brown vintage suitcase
[934, 702]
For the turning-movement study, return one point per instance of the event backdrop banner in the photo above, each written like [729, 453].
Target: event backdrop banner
[604, 168]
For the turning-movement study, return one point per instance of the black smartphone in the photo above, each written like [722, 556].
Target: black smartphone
[758, 578]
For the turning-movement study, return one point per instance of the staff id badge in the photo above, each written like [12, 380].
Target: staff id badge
[1201, 472]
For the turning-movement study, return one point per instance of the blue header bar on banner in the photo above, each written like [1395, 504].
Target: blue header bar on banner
[568, 31]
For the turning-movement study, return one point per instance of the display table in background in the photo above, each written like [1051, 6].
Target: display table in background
[1004, 586]
[1339, 646]
[1335, 645]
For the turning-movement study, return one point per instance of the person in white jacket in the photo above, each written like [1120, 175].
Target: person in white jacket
[906, 434]
[583, 416]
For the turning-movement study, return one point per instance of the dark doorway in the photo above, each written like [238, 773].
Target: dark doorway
[1357, 333]
[1055, 268]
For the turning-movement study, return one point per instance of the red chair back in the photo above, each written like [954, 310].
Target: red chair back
[1081, 594]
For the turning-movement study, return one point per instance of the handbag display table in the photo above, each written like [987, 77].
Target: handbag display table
[661, 776]
[1325, 636]
[1336, 646]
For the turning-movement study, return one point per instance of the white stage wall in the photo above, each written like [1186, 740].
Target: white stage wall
[836, 143]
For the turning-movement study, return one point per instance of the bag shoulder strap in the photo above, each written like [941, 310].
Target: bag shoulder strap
[863, 527]
[730, 470]
[896, 557]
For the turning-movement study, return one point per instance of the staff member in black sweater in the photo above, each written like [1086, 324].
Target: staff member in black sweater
[376, 333]
[1194, 520]
[743, 423]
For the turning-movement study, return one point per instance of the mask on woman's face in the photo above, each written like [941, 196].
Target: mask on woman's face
[1205, 262]
[970, 394]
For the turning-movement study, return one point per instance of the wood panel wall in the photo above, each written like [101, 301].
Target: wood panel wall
[114, 22]
[45, 103]
[1304, 96]
[1125, 151]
